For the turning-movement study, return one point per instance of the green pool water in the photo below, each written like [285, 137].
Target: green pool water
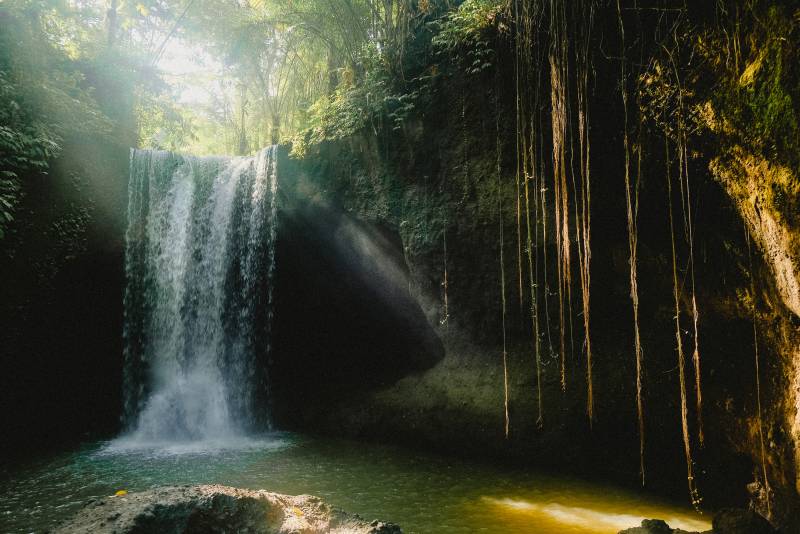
[423, 493]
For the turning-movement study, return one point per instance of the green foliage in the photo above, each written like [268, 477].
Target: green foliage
[64, 230]
[162, 124]
[767, 104]
[272, 68]
[25, 146]
[370, 103]
[465, 31]
[380, 94]
[760, 100]
[44, 96]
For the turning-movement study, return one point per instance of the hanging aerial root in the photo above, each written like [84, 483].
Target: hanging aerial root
[498, 148]
[536, 146]
[686, 204]
[546, 288]
[526, 169]
[558, 99]
[503, 301]
[632, 208]
[695, 314]
[446, 313]
[693, 493]
[534, 314]
[583, 217]
[637, 343]
[517, 62]
[758, 379]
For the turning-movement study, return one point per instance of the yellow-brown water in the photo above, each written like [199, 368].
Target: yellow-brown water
[422, 493]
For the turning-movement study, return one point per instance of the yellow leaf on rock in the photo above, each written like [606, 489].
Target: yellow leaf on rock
[297, 511]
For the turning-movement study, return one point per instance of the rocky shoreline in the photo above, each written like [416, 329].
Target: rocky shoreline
[220, 509]
[216, 509]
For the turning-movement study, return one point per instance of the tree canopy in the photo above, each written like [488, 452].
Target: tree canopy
[217, 76]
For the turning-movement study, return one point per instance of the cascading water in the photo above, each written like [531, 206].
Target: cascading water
[199, 265]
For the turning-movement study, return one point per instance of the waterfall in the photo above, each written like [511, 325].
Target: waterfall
[199, 266]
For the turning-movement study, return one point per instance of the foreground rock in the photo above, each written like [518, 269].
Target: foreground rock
[737, 521]
[728, 521]
[656, 526]
[216, 509]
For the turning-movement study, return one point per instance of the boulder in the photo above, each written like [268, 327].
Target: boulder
[726, 521]
[739, 521]
[650, 526]
[216, 509]
[656, 526]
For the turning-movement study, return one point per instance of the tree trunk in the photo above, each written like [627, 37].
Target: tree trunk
[333, 71]
[242, 148]
[275, 130]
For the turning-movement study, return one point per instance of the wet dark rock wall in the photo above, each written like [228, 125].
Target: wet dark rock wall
[61, 301]
[346, 321]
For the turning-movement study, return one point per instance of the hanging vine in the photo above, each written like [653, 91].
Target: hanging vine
[527, 142]
[758, 377]
[526, 139]
[558, 99]
[683, 158]
[543, 219]
[693, 492]
[535, 61]
[498, 149]
[632, 208]
[686, 204]
[530, 51]
[585, 16]
[446, 311]
[534, 308]
[517, 64]
[695, 314]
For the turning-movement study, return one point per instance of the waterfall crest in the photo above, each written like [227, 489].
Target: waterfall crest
[199, 266]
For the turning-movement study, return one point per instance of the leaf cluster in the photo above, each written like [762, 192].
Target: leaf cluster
[44, 96]
[466, 32]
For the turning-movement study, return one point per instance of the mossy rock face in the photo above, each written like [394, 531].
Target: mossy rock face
[753, 117]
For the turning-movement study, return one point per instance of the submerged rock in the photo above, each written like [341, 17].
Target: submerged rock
[216, 509]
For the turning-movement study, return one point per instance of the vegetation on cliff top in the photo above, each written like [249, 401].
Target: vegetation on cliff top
[221, 76]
